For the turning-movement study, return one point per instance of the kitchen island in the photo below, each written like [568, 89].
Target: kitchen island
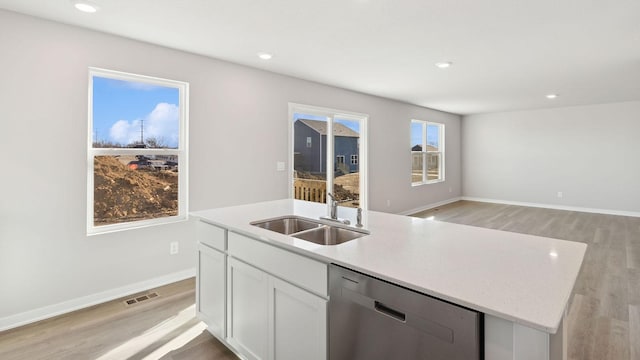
[521, 283]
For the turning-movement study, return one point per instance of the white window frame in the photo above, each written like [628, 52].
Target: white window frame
[332, 114]
[181, 152]
[340, 159]
[309, 142]
[354, 159]
[425, 157]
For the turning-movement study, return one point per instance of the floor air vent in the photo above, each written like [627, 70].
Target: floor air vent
[141, 298]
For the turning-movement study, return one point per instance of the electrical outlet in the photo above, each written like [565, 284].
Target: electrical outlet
[173, 248]
[280, 166]
[388, 203]
[559, 194]
[450, 189]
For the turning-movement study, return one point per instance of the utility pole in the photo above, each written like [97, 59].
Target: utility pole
[141, 131]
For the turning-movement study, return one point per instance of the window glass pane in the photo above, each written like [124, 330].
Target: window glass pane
[433, 166]
[309, 157]
[433, 137]
[416, 136]
[129, 113]
[346, 144]
[135, 187]
[417, 166]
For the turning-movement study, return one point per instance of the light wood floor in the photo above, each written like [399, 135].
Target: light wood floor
[603, 323]
[604, 315]
[164, 327]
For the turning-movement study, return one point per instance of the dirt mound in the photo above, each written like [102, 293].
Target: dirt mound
[123, 195]
[350, 182]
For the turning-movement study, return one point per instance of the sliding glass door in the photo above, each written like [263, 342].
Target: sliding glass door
[328, 152]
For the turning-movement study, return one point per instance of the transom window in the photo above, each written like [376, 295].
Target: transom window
[427, 152]
[137, 151]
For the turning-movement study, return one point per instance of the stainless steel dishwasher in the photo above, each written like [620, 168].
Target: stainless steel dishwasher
[371, 319]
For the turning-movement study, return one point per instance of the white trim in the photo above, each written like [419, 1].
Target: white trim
[556, 207]
[31, 316]
[430, 206]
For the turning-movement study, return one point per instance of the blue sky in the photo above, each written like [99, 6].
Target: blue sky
[119, 106]
[416, 134]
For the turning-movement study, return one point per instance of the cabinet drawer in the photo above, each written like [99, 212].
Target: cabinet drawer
[297, 269]
[211, 235]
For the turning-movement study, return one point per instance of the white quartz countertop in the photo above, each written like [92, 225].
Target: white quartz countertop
[521, 278]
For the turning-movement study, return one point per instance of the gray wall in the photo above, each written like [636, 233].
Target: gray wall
[589, 153]
[238, 130]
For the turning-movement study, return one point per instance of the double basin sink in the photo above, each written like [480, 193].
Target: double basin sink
[310, 230]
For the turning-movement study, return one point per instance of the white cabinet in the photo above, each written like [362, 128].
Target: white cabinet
[248, 316]
[264, 302]
[269, 318]
[210, 289]
[506, 340]
[211, 278]
[299, 323]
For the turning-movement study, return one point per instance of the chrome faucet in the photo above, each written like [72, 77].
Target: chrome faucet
[333, 215]
[334, 207]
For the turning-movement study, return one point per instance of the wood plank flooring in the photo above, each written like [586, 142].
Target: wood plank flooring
[164, 327]
[604, 313]
[603, 322]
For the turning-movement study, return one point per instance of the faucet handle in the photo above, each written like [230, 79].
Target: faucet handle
[359, 218]
[331, 196]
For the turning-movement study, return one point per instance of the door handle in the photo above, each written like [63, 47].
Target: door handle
[395, 314]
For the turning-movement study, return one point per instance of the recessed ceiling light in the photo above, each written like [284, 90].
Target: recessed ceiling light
[552, 96]
[444, 64]
[85, 6]
[264, 56]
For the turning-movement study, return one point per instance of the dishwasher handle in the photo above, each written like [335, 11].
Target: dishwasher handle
[385, 310]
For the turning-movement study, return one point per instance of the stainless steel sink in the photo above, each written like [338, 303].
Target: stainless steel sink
[315, 231]
[329, 235]
[287, 224]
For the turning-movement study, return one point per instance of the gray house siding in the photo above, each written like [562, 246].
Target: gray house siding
[313, 158]
[308, 158]
[347, 146]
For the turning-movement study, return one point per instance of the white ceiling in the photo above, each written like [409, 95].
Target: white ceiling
[506, 54]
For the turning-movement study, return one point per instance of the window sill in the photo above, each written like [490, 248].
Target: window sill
[107, 229]
[426, 182]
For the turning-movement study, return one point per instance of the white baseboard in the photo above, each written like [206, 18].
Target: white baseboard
[557, 207]
[430, 206]
[46, 312]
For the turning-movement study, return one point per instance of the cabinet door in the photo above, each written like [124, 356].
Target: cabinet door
[247, 291]
[299, 323]
[211, 289]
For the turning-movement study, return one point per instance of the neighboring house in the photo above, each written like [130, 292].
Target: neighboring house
[310, 146]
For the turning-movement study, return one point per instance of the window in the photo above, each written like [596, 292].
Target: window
[308, 141]
[137, 151]
[337, 136]
[427, 152]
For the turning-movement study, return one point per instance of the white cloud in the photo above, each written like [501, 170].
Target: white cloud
[124, 132]
[163, 123]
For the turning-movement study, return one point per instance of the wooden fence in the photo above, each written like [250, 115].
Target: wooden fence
[310, 190]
